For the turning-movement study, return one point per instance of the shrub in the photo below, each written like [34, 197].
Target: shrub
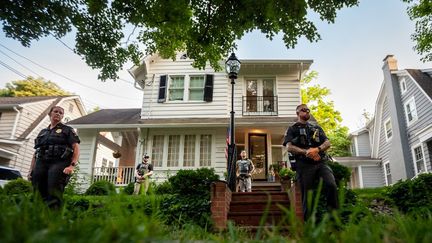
[1, 190]
[412, 195]
[101, 188]
[341, 173]
[286, 172]
[163, 188]
[193, 182]
[128, 190]
[17, 187]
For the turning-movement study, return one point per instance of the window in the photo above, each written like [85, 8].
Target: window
[176, 88]
[104, 165]
[189, 150]
[419, 162]
[157, 150]
[110, 164]
[387, 173]
[410, 111]
[205, 150]
[173, 150]
[388, 129]
[403, 85]
[196, 87]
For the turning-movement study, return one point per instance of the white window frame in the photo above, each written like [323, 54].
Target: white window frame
[385, 172]
[411, 102]
[388, 120]
[189, 86]
[403, 85]
[181, 150]
[419, 145]
[170, 77]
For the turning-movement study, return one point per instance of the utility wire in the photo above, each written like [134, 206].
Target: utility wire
[20, 64]
[13, 70]
[61, 75]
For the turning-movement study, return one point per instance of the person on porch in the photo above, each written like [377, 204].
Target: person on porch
[143, 172]
[245, 168]
[308, 143]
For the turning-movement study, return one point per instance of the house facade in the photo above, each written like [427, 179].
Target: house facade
[400, 134]
[184, 118]
[22, 118]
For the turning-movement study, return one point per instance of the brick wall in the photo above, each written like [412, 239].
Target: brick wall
[220, 204]
[297, 199]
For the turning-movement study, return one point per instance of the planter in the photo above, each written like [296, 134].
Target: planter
[285, 183]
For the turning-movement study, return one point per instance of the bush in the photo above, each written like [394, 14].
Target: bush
[341, 173]
[163, 188]
[101, 188]
[412, 195]
[18, 187]
[1, 190]
[128, 190]
[193, 182]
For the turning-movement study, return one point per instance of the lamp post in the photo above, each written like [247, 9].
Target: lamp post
[232, 66]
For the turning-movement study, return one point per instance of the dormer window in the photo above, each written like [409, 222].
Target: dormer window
[403, 86]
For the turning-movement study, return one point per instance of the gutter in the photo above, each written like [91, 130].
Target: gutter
[16, 121]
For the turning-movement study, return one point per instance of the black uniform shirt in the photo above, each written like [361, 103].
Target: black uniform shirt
[59, 135]
[315, 136]
[144, 168]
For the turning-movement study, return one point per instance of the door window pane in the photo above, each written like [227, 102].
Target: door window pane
[251, 93]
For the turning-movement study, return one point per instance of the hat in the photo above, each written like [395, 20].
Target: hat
[146, 155]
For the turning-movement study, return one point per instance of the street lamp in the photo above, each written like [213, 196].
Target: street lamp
[232, 66]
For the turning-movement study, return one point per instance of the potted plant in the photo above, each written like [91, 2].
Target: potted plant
[286, 176]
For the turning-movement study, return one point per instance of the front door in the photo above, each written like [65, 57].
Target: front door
[258, 155]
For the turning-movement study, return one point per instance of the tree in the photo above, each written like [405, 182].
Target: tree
[325, 114]
[205, 29]
[32, 87]
[421, 12]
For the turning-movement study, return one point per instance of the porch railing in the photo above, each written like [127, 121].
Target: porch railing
[120, 176]
[260, 106]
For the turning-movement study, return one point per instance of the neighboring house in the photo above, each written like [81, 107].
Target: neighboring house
[400, 134]
[184, 117]
[22, 118]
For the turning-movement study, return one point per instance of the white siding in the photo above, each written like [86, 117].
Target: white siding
[7, 121]
[288, 92]
[87, 154]
[30, 113]
[363, 144]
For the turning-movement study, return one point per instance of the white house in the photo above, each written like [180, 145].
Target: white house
[22, 118]
[184, 117]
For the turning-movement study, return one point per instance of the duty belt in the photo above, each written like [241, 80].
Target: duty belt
[53, 152]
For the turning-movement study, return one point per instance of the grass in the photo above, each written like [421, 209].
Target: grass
[123, 218]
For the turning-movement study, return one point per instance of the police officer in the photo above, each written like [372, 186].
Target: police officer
[143, 172]
[56, 155]
[308, 143]
[245, 168]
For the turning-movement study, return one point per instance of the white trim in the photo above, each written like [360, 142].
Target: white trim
[360, 176]
[385, 172]
[377, 122]
[356, 146]
[15, 125]
[385, 129]
[411, 101]
[424, 134]
[10, 154]
[414, 159]
[11, 141]
[402, 81]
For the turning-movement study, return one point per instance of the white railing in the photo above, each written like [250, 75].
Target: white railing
[119, 176]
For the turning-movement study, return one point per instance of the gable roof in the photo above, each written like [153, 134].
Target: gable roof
[423, 80]
[14, 101]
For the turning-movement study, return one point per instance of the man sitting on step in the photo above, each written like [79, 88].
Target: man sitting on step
[245, 169]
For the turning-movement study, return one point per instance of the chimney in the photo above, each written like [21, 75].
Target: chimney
[391, 63]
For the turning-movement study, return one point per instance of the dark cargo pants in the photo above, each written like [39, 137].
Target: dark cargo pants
[309, 176]
[49, 180]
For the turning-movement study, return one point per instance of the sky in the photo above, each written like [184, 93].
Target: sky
[348, 59]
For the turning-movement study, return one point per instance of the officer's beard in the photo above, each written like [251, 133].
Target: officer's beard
[305, 117]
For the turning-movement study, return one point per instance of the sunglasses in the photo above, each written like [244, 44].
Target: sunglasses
[146, 157]
[305, 110]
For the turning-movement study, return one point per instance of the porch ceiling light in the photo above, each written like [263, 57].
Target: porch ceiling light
[232, 66]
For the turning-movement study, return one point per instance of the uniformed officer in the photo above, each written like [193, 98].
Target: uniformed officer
[308, 143]
[245, 168]
[57, 152]
[143, 172]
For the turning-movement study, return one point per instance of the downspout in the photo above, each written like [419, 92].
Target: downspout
[16, 122]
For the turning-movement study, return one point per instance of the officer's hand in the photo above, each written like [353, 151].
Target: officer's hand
[68, 170]
[29, 176]
[313, 153]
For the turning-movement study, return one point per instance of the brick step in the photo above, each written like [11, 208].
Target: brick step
[248, 206]
[258, 196]
[266, 188]
[254, 218]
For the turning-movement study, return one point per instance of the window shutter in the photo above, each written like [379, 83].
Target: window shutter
[162, 89]
[208, 88]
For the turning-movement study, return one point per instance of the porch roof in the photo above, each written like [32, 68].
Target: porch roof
[130, 118]
[355, 161]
